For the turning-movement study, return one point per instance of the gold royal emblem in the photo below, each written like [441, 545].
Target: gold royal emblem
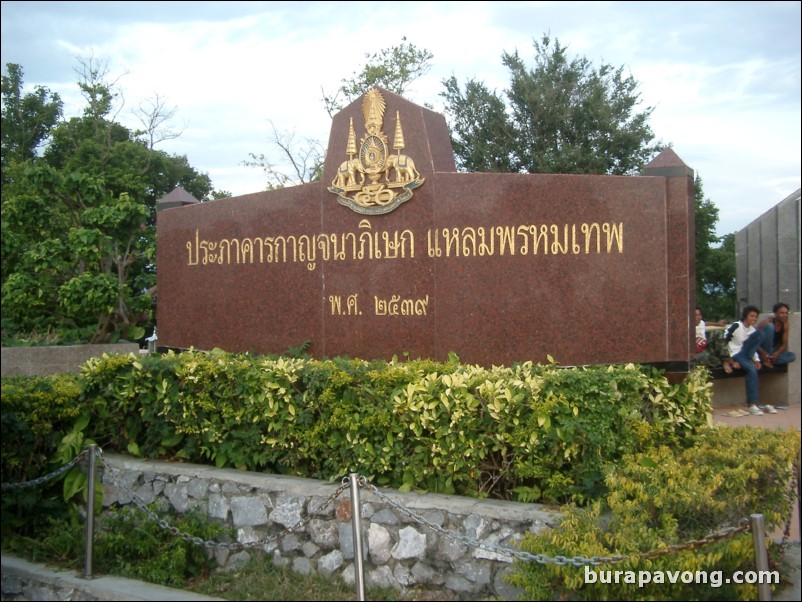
[375, 181]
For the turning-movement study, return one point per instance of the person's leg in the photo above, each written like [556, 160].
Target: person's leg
[768, 338]
[751, 346]
[745, 361]
[767, 344]
[744, 358]
[786, 357]
[718, 355]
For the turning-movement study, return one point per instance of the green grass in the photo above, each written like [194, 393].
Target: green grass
[128, 544]
[260, 579]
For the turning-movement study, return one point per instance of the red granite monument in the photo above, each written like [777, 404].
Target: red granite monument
[394, 252]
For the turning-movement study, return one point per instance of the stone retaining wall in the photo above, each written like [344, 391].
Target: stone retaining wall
[444, 557]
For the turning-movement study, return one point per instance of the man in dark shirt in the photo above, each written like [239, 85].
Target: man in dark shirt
[774, 349]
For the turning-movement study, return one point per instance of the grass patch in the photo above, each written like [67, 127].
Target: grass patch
[260, 579]
[128, 544]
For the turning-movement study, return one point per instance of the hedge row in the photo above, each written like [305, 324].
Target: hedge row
[528, 432]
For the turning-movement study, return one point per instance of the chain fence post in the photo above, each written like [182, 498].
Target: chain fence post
[90, 513]
[761, 555]
[799, 486]
[356, 524]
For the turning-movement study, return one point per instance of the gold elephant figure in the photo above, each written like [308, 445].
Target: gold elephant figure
[347, 174]
[404, 168]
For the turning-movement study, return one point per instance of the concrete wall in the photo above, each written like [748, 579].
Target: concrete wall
[30, 361]
[767, 258]
[448, 546]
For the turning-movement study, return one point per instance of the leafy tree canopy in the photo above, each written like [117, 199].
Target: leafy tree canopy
[560, 116]
[78, 220]
[565, 116]
[26, 118]
[715, 262]
[393, 69]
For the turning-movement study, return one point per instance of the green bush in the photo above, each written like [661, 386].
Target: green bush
[665, 497]
[127, 543]
[36, 414]
[528, 432]
[619, 440]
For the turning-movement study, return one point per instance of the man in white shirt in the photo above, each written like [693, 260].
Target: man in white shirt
[743, 342]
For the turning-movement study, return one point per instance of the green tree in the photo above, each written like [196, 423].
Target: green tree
[715, 262]
[27, 119]
[561, 116]
[482, 133]
[79, 221]
[393, 69]
[564, 116]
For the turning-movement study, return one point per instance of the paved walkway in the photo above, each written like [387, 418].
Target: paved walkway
[787, 418]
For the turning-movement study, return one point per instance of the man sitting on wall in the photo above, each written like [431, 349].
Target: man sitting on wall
[743, 341]
[774, 348]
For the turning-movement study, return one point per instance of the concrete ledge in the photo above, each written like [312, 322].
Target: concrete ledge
[23, 580]
[720, 374]
[41, 361]
[774, 389]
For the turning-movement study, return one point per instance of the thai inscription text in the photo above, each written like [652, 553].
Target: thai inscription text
[481, 241]
[530, 239]
[398, 306]
[306, 249]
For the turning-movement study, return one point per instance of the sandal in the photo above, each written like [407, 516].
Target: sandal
[727, 366]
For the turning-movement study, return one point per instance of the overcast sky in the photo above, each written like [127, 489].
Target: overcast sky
[723, 77]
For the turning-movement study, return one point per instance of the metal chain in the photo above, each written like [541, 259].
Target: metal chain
[49, 477]
[211, 543]
[743, 527]
[576, 561]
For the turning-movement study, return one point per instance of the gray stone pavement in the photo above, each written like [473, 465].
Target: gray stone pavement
[23, 580]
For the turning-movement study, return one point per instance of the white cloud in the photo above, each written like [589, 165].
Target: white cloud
[724, 78]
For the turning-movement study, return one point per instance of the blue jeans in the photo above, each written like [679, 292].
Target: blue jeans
[744, 359]
[768, 345]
